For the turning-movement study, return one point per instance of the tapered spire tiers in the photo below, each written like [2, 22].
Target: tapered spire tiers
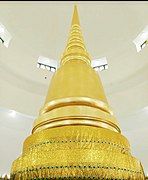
[76, 135]
[75, 49]
[76, 95]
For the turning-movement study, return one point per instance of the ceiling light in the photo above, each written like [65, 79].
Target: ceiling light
[96, 68]
[48, 68]
[141, 40]
[52, 69]
[42, 66]
[101, 68]
[52, 65]
[99, 64]
[49, 64]
[38, 65]
[5, 36]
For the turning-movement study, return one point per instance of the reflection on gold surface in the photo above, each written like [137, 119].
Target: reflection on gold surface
[76, 134]
[76, 121]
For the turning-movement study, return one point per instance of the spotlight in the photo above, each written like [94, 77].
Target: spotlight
[52, 69]
[42, 66]
[48, 68]
[38, 65]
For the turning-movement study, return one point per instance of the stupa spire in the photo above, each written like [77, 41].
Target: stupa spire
[75, 18]
[75, 48]
[76, 135]
[76, 85]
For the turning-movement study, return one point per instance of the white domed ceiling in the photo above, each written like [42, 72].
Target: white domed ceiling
[41, 29]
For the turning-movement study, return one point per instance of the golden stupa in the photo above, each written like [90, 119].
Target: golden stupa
[76, 135]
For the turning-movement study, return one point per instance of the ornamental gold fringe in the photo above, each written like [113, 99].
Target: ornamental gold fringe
[79, 152]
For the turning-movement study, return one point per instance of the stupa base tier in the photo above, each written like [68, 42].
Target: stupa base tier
[77, 172]
[76, 152]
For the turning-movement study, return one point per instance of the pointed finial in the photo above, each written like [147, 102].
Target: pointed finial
[75, 19]
[75, 48]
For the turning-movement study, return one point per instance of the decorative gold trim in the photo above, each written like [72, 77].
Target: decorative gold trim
[85, 101]
[75, 120]
[73, 132]
[73, 45]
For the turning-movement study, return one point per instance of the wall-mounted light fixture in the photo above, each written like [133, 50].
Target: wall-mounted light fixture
[46, 63]
[141, 40]
[5, 36]
[99, 64]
